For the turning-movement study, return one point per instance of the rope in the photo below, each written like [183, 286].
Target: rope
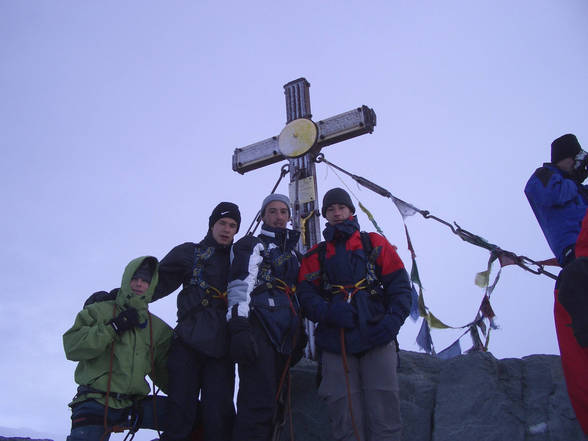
[107, 429]
[152, 380]
[285, 372]
[348, 386]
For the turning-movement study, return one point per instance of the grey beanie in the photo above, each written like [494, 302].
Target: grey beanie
[275, 197]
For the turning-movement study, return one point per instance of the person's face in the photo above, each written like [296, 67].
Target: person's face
[337, 213]
[276, 214]
[566, 164]
[224, 230]
[139, 286]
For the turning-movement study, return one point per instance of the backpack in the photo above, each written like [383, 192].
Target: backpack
[101, 296]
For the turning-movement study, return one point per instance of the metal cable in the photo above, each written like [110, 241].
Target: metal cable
[523, 262]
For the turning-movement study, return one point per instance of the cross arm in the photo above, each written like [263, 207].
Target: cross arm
[338, 128]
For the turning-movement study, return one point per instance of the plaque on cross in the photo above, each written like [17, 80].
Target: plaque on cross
[300, 142]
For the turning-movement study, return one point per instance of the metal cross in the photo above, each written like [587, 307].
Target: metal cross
[300, 142]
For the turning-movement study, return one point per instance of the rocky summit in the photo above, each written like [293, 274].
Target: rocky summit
[473, 397]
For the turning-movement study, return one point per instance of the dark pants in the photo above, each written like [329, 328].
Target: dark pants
[258, 385]
[191, 374]
[93, 412]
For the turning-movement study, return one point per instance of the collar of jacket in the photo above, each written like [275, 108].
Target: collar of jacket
[209, 241]
[555, 168]
[342, 230]
[283, 237]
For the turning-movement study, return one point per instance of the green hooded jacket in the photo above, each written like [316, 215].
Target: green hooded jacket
[90, 341]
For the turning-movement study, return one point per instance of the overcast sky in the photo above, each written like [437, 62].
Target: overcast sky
[118, 121]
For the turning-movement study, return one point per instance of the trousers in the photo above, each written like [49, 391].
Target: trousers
[374, 394]
[195, 378]
[257, 405]
[149, 417]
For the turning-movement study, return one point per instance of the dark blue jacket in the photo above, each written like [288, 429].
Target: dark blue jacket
[262, 282]
[559, 204]
[378, 315]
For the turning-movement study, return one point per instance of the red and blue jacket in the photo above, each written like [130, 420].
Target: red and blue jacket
[379, 310]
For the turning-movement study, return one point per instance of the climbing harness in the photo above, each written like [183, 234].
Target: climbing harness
[267, 281]
[369, 283]
[201, 255]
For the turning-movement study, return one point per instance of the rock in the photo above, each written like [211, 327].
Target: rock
[473, 397]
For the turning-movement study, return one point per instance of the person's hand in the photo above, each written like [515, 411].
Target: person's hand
[242, 349]
[127, 319]
[340, 314]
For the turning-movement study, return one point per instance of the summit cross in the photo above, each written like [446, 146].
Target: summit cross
[300, 142]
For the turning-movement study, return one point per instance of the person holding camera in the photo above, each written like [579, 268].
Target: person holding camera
[560, 203]
[558, 198]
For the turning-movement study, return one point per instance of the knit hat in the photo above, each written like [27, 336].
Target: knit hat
[275, 197]
[336, 196]
[225, 209]
[566, 146]
[145, 271]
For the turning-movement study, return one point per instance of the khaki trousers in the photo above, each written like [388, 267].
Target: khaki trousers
[374, 395]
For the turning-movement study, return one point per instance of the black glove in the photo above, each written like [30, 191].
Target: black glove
[127, 319]
[243, 349]
[340, 314]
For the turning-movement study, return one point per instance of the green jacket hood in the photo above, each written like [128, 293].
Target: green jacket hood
[126, 297]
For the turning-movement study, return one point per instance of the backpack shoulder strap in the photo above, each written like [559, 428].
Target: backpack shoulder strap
[371, 253]
[200, 255]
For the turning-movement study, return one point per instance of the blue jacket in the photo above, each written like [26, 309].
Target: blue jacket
[379, 314]
[262, 282]
[559, 204]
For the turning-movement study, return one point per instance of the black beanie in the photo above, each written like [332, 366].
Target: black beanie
[566, 146]
[336, 196]
[225, 209]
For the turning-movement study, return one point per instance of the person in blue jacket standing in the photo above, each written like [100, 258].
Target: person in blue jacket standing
[560, 202]
[558, 198]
